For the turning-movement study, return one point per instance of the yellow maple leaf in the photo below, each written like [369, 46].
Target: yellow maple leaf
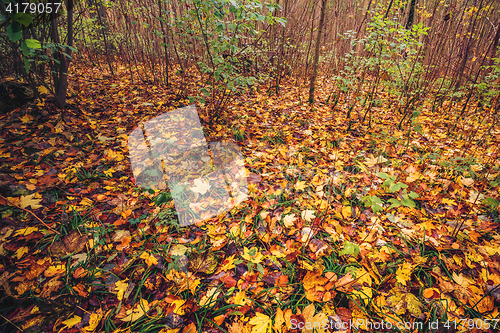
[261, 323]
[137, 312]
[201, 186]
[288, 220]
[301, 185]
[413, 305]
[148, 258]
[347, 212]
[228, 264]
[42, 90]
[240, 298]
[401, 303]
[403, 273]
[109, 172]
[32, 200]
[94, 320]
[27, 118]
[307, 215]
[372, 160]
[252, 255]
[314, 323]
[20, 252]
[120, 288]
[450, 202]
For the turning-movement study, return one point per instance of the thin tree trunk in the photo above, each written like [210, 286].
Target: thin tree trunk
[312, 85]
[101, 12]
[167, 62]
[61, 77]
[495, 45]
[411, 15]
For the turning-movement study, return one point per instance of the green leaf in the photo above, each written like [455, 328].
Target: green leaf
[14, 32]
[26, 64]
[492, 202]
[383, 175]
[394, 188]
[281, 21]
[205, 92]
[408, 203]
[350, 249]
[377, 208]
[33, 43]
[23, 18]
[413, 195]
[394, 203]
[25, 49]
[162, 198]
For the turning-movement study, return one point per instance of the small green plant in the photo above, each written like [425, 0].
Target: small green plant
[83, 174]
[138, 219]
[278, 137]
[239, 134]
[390, 182]
[391, 185]
[374, 202]
[168, 217]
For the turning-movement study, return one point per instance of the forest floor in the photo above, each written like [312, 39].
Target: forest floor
[377, 228]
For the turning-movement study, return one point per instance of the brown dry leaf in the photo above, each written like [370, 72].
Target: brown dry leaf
[313, 323]
[191, 328]
[51, 287]
[239, 327]
[314, 285]
[204, 262]
[484, 304]
[71, 243]
[32, 200]
[345, 281]
[402, 303]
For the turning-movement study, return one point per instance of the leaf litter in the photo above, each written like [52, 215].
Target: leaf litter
[368, 225]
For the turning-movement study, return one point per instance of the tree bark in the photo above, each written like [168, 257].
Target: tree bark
[411, 15]
[495, 45]
[61, 77]
[312, 85]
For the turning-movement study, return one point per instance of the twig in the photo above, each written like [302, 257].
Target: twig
[39, 219]
[12, 323]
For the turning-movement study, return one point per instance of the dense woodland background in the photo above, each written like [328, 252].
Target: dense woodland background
[443, 47]
[369, 135]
